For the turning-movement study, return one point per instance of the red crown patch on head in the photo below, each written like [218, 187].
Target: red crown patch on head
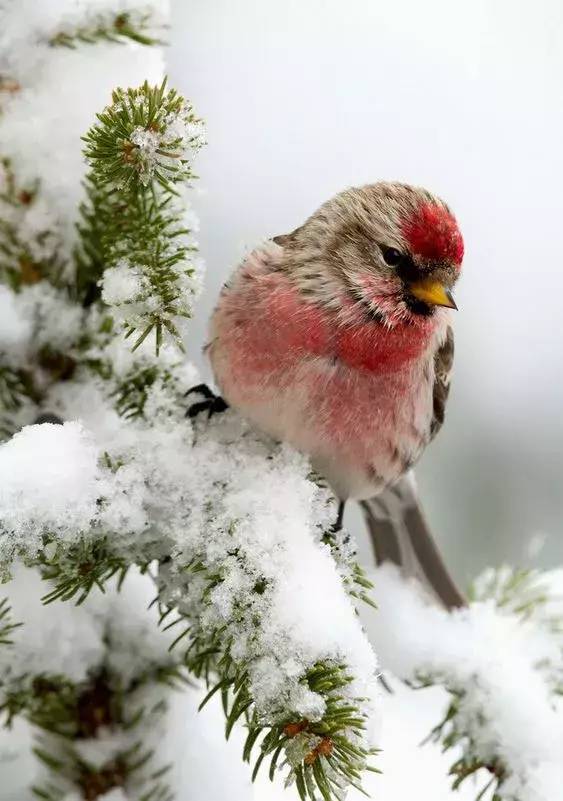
[432, 233]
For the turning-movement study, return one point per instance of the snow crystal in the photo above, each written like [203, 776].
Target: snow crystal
[172, 145]
[189, 133]
[147, 142]
[122, 283]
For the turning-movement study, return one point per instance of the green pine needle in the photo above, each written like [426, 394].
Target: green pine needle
[19, 263]
[139, 153]
[66, 712]
[115, 28]
[79, 569]
[7, 627]
[329, 751]
[15, 386]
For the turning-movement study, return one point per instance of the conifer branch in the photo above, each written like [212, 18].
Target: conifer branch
[75, 571]
[25, 259]
[321, 756]
[132, 391]
[451, 732]
[117, 28]
[222, 594]
[15, 385]
[68, 714]
[133, 232]
[7, 627]
[526, 595]
[94, 728]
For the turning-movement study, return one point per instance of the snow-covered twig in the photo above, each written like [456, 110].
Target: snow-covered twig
[134, 236]
[237, 524]
[498, 658]
[94, 683]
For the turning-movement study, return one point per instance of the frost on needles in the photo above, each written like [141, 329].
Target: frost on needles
[94, 682]
[500, 660]
[134, 237]
[256, 599]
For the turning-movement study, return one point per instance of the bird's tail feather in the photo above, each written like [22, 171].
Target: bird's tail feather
[400, 534]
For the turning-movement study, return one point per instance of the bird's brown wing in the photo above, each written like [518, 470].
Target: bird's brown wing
[443, 363]
[399, 531]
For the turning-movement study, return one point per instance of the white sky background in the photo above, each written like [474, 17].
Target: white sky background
[305, 98]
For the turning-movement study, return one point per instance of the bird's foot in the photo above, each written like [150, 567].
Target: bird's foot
[211, 403]
[338, 523]
[48, 417]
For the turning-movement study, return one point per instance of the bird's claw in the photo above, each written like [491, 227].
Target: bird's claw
[212, 403]
[339, 522]
[201, 389]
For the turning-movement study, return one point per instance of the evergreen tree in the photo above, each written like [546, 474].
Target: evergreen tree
[142, 549]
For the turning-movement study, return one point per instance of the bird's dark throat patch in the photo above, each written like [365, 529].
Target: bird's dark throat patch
[417, 306]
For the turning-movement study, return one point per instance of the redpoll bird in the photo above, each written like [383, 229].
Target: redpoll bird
[337, 339]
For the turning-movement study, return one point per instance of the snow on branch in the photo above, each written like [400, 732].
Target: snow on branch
[138, 26]
[262, 610]
[501, 660]
[68, 23]
[89, 676]
[30, 248]
[135, 235]
[94, 682]
[49, 96]
[44, 331]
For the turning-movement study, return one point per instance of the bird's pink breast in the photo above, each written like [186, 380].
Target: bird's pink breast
[349, 394]
[277, 322]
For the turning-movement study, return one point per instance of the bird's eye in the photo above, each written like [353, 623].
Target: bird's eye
[392, 256]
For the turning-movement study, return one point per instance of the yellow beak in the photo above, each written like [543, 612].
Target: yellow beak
[432, 292]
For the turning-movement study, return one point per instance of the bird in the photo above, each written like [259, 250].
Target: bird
[337, 338]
